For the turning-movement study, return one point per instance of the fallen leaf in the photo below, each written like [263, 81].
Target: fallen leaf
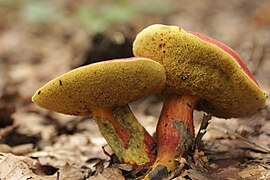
[254, 172]
[109, 173]
[18, 167]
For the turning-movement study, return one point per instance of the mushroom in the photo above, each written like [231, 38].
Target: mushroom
[104, 90]
[202, 73]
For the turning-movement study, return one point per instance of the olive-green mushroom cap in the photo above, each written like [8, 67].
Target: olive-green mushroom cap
[196, 67]
[105, 84]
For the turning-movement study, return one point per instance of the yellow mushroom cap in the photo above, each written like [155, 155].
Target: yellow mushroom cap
[104, 84]
[196, 67]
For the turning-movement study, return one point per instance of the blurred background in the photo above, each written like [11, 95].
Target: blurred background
[40, 40]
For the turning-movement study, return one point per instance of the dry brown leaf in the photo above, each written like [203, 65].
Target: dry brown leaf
[32, 124]
[18, 167]
[4, 148]
[68, 172]
[22, 149]
[193, 174]
[109, 173]
[254, 172]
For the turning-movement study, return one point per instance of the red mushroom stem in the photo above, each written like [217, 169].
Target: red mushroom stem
[129, 140]
[175, 129]
[122, 133]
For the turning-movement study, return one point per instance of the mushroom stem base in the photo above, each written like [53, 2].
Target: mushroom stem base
[126, 136]
[175, 130]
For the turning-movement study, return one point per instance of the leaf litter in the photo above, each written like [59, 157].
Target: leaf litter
[38, 144]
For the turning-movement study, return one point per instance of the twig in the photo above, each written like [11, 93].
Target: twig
[205, 122]
[58, 175]
[257, 55]
[226, 131]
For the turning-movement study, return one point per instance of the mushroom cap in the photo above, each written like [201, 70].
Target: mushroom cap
[105, 84]
[195, 65]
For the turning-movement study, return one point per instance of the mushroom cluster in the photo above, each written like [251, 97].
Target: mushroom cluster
[192, 71]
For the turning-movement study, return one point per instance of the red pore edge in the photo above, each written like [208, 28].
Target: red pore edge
[125, 59]
[228, 50]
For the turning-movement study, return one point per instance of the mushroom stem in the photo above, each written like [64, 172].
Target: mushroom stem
[106, 114]
[175, 129]
[129, 140]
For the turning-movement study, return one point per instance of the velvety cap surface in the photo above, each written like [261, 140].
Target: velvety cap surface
[196, 67]
[104, 84]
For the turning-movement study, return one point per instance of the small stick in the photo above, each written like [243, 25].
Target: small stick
[205, 122]
[58, 175]
[226, 131]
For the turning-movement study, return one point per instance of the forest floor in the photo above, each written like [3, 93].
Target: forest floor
[42, 40]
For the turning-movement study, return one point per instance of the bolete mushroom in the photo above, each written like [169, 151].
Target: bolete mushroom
[104, 90]
[201, 73]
